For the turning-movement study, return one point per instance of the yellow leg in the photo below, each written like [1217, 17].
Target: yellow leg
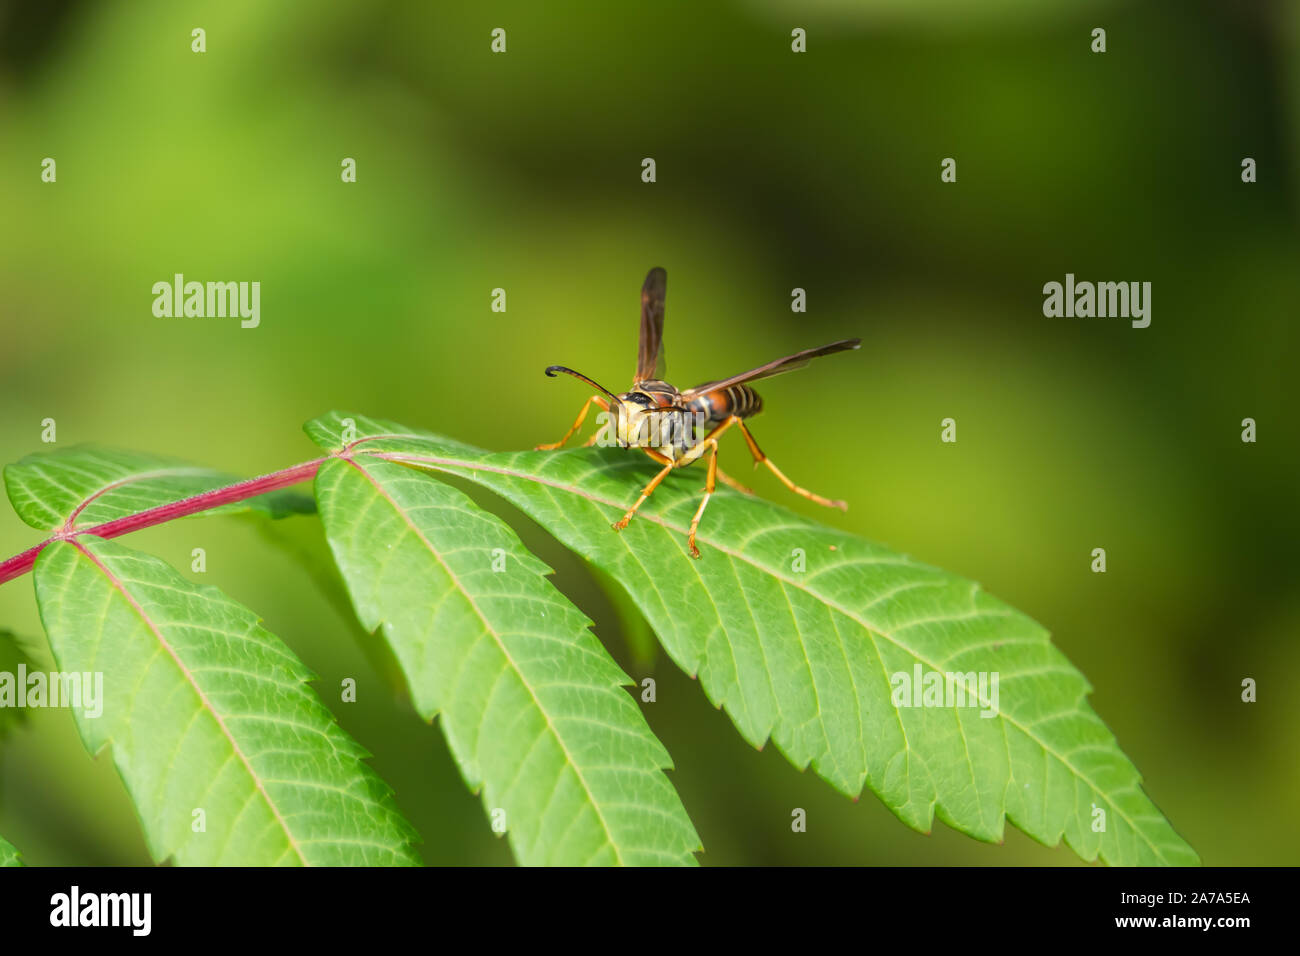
[709, 485]
[710, 445]
[669, 465]
[697, 451]
[728, 480]
[760, 458]
[582, 416]
[709, 442]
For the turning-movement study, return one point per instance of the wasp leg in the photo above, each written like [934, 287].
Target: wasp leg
[728, 480]
[710, 442]
[582, 416]
[709, 485]
[760, 458]
[669, 465]
[697, 450]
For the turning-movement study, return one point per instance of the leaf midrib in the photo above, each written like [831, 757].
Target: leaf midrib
[436, 461]
[487, 626]
[127, 480]
[117, 583]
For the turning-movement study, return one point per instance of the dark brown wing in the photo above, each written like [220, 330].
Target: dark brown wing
[650, 355]
[776, 367]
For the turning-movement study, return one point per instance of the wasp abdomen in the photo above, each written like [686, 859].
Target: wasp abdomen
[739, 400]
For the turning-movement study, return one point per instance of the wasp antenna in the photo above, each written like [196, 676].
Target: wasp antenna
[552, 369]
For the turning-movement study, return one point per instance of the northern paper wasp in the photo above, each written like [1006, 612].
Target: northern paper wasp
[665, 423]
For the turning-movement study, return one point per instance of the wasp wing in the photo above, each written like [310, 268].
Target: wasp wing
[650, 354]
[775, 367]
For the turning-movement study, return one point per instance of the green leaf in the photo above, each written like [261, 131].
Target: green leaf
[807, 657]
[639, 637]
[89, 485]
[531, 704]
[207, 710]
[8, 855]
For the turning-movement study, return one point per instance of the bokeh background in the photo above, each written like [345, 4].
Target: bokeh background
[775, 170]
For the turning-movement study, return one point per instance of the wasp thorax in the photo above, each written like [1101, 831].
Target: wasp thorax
[637, 421]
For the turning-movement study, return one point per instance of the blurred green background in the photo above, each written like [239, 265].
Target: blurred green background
[775, 170]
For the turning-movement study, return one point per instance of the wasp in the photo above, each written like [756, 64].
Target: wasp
[667, 424]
